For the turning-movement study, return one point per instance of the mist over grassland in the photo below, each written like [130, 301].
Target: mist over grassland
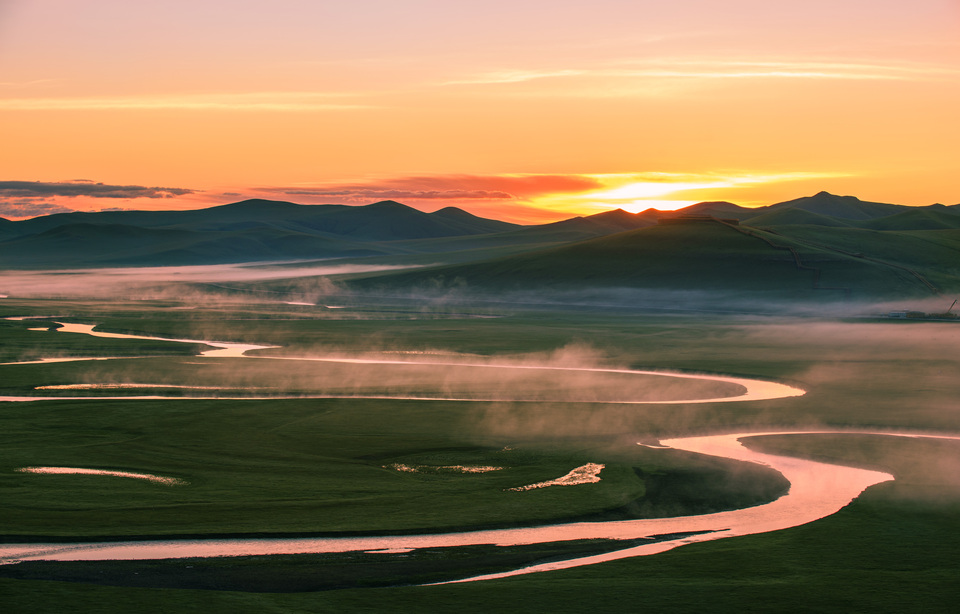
[860, 373]
[371, 287]
[823, 252]
[301, 465]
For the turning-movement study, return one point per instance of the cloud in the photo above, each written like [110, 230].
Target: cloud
[30, 208]
[643, 187]
[248, 101]
[368, 194]
[632, 76]
[537, 198]
[34, 189]
[515, 76]
[448, 187]
[520, 185]
[509, 196]
[738, 69]
[25, 84]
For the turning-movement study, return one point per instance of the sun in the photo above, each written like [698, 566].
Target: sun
[648, 193]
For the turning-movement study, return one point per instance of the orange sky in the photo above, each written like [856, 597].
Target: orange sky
[527, 111]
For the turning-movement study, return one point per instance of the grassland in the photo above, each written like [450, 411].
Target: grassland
[321, 462]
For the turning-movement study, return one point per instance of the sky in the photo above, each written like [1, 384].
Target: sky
[528, 111]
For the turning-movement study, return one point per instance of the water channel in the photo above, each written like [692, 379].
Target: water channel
[817, 490]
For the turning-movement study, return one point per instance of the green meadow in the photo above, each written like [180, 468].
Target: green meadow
[308, 466]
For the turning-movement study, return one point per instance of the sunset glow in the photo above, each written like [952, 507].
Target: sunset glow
[529, 112]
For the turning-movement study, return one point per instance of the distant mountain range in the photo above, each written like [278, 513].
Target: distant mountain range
[822, 243]
[247, 231]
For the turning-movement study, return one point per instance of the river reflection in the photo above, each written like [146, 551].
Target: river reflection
[223, 349]
[816, 490]
[753, 389]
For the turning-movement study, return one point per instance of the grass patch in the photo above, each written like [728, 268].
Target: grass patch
[318, 466]
[316, 572]
[283, 467]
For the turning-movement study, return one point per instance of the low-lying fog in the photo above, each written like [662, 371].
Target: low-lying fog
[146, 282]
[572, 374]
[317, 282]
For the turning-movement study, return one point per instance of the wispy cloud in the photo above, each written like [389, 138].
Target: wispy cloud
[368, 194]
[445, 187]
[30, 189]
[29, 208]
[654, 71]
[641, 186]
[26, 84]
[263, 101]
[520, 197]
[515, 76]
[750, 69]
[667, 191]
[23, 199]
[548, 194]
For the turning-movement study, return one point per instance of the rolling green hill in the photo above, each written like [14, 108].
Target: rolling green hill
[118, 245]
[780, 217]
[248, 231]
[933, 254]
[387, 220]
[916, 219]
[257, 230]
[577, 228]
[709, 256]
[821, 246]
[846, 207]
[6, 228]
[721, 209]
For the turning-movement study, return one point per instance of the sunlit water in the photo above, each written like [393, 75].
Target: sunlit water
[585, 474]
[104, 472]
[121, 386]
[755, 390]
[223, 349]
[816, 490]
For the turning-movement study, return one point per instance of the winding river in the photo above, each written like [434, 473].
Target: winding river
[817, 490]
[754, 389]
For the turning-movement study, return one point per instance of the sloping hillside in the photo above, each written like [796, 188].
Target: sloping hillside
[844, 207]
[693, 256]
[924, 218]
[780, 217]
[383, 221]
[248, 231]
[91, 245]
